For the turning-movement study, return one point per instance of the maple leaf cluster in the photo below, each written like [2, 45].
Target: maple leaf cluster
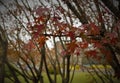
[51, 23]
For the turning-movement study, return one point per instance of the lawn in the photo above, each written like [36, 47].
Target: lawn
[80, 77]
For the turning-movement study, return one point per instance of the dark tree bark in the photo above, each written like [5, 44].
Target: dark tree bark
[112, 8]
[68, 69]
[3, 54]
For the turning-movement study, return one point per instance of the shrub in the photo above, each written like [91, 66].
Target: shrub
[77, 67]
[52, 70]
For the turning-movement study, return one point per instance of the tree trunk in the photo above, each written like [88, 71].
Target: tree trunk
[68, 69]
[45, 63]
[3, 54]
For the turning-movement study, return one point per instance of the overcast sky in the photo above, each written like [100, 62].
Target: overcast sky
[2, 8]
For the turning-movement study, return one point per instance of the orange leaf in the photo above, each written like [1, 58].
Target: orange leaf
[71, 46]
[94, 29]
[29, 46]
[41, 41]
[41, 19]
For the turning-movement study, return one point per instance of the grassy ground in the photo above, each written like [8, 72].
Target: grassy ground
[80, 77]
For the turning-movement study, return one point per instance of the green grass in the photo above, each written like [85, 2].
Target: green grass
[85, 77]
[80, 77]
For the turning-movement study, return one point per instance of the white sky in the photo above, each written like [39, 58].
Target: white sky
[26, 37]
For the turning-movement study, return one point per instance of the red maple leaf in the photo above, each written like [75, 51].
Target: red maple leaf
[83, 45]
[37, 30]
[71, 34]
[97, 44]
[91, 53]
[71, 46]
[41, 10]
[41, 41]
[94, 29]
[107, 54]
[40, 19]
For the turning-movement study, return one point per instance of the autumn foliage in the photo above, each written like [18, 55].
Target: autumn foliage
[75, 29]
